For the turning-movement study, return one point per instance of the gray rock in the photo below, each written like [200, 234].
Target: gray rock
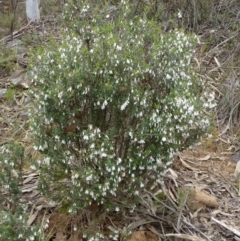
[2, 93]
[19, 78]
[235, 157]
[17, 45]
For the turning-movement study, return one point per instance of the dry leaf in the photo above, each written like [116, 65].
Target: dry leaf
[204, 198]
[32, 218]
[187, 165]
[207, 157]
[28, 179]
[70, 128]
[173, 173]
[142, 236]
[198, 199]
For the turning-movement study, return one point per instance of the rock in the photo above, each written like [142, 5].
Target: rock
[17, 45]
[198, 199]
[19, 78]
[14, 43]
[235, 157]
[2, 93]
[24, 116]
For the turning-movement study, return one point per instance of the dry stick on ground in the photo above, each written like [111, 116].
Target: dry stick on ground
[235, 189]
[223, 42]
[162, 203]
[12, 138]
[235, 231]
[182, 218]
[14, 34]
[184, 237]
[229, 120]
[196, 229]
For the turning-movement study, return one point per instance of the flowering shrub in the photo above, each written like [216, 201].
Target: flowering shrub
[11, 164]
[13, 215]
[114, 100]
[13, 228]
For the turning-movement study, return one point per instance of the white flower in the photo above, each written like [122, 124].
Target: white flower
[119, 48]
[92, 146]
[46, 160]
[33, 167]
[179, 15]
[124, 105]
[76, 175]
[104, 105]
[168, 77]
[164, 139]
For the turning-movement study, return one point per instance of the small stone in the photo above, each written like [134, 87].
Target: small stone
[2, 93]
[17, 45]
[19, 78]
[235, 157]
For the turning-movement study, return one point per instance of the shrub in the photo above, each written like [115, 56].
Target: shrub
[11, 163]
[13, 214]
[114, 100]
[13, 227]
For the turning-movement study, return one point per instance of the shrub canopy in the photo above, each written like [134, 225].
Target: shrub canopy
[114, 100]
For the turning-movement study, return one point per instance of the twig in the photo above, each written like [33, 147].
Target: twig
[5, 39]
[184, 236]
[229, 120]
[223, 42]
[235, 231]
[197, 230]
[162, 203]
